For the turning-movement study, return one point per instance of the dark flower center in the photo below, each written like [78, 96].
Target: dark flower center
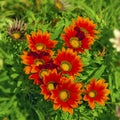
[79, 33]
[48, 65]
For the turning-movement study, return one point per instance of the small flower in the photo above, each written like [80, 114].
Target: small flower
[68, 62]
[67, 95]
[80, 35]
[116, 41]
[40, 41]
[17, 29]
[50, 82]
[96, 92]
[61, 4]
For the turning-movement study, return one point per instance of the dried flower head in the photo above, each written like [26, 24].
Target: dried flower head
[61, 4]
[17, 29]
[103, 52]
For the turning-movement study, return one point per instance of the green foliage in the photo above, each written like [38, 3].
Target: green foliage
[19, 97]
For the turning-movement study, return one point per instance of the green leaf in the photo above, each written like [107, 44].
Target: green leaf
[99, 72]
[40, 114]
[58, 30]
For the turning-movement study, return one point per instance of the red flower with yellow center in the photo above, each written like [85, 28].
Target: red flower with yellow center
[41, 71]
[40, 41]
[68, 62]
[96, 92]
[33, 60]
[50, 82]
[86, 26]
[38, 77]
[80, 35]
[67, 95]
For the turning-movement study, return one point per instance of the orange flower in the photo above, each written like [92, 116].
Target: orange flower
[50, 82]
[41, 71]
[86, 26]
[80, 35]
[40, 41]
[38, 77]
[67, 95]
[68, 62]
[29, 58]
[34, 60]
[27, 69]
[96, 92]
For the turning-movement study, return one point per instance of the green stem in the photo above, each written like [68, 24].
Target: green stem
[3, 52]
[113, 103]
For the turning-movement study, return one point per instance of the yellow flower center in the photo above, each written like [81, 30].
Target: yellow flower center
[92, 94]
[40, 46]
[66, 66]
[51, 86]
[64, 95]
[38, 62]
[16, 35]
[75, 42]
[59, 5]
[43, 73]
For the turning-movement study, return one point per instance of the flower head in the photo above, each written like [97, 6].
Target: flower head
[116, 41]
[85, 26]
[34, 60]
[61, 4]
[68, 62]
[67, 95]
[96, 92]
[50, 82]
[80, 35]
[39, 75]
[29, 58]
[17, 29]
[40, 41]
[41, 71]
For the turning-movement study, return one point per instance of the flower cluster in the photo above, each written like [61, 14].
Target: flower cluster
[55, 71]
